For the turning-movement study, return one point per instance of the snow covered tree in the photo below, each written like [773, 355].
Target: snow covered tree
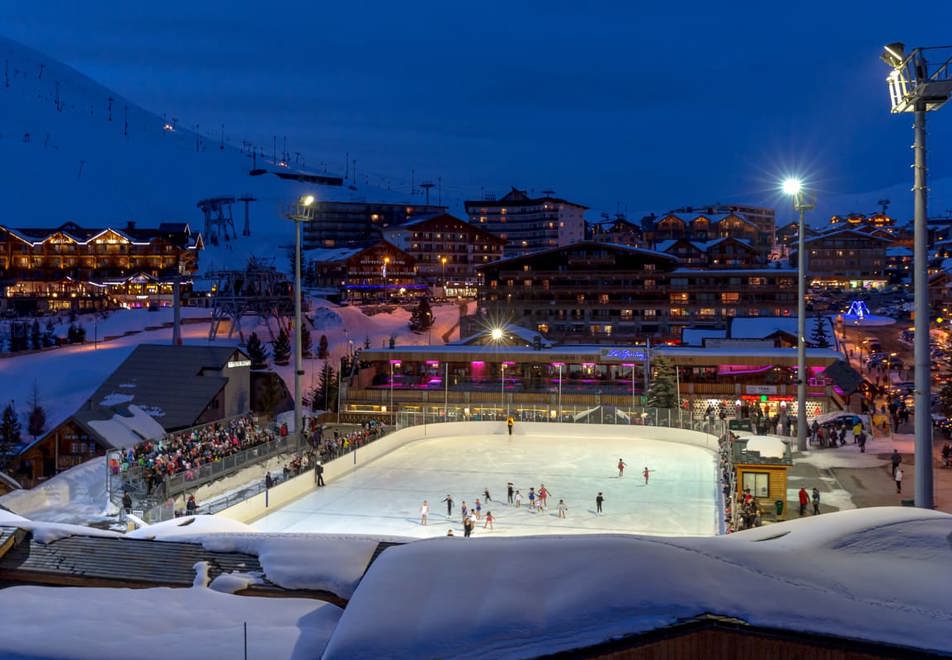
[422, 318]
[9, 433]
[820, 338]
[322, 348]
[324, 396]
[662, 391]
[36, 422]
[49, 335]
[281, 348]
[36, 337]
[306, 345]
[257, 352]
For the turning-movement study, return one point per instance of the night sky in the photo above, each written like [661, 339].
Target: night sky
[609, 104]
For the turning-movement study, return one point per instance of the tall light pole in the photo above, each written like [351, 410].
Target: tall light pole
[502, 388]
[801, 204]
[443, 262]
[303, 211]
[916, 87]
[560, 391]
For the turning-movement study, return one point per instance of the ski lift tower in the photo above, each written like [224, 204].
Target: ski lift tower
[917, 86]
[259, 290]
[218, 218]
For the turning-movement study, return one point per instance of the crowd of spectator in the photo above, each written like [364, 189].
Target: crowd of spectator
[186, 451]
[331, 447]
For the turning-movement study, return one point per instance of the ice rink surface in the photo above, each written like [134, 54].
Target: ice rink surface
[385, 496]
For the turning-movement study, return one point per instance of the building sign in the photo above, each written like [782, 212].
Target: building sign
[761, 389]
[624, 354]
[238, 363]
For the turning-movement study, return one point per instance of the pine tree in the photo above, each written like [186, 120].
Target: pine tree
[662, 392]
[36, 338]
[819, 337]
[257, 352]
[270, 395]
[326, 389]
[281, 348]
[36, 423]
[306, 347]
[49, 336]
[9, 433]
[422, 318]
[322, 348]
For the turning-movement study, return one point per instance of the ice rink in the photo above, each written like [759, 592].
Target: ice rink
[384, 496]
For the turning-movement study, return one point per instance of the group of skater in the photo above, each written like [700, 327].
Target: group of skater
[537, 501]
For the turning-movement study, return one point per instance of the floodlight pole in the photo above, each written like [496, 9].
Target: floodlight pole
[302, 212]
[923, 369]
[801, 325]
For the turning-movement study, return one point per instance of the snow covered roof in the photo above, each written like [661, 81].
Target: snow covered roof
[330, 255]
[535, 596]
[696, 336]
[127, 430]
[524, 334]
[898, 252]
[761, 327]
[768, 446]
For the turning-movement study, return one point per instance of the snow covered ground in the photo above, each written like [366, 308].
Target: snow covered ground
[384, 496]
[67, 376]
[77, 495]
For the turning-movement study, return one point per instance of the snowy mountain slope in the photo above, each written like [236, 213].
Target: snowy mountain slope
[75, 150]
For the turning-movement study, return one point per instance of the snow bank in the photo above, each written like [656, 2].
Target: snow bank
[45, 532]
[123, 431]
[533, 596]
[76, 495]
[189, 526]
[197, 623]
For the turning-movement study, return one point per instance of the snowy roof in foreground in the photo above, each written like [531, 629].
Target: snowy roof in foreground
[768, 446]
[760, 327]
[122, 431]
[534, 596]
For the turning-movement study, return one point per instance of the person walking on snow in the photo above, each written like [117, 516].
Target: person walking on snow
[646, 472]
[509, 491]
[898, 478]
[449, 504]
[562, 508]
[518, 499]
[598, 502]
[621, 467]
[816, 502]
[804, 500]
[424, 512]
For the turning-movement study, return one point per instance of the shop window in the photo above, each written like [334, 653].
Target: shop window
[758, 483]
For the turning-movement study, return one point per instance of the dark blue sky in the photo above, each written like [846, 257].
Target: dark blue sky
[606, 103]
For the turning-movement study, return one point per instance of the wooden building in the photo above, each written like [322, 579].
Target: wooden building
[764, 471]
[380, 272]
[71, 267]
[846, 259]
[446, 249]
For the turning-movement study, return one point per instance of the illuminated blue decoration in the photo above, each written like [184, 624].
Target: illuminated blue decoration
[624, 354]
[858, 309]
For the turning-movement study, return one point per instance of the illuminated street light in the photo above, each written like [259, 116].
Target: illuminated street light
[302, 212]
[794, 188]
[496, 334]
[916, 86]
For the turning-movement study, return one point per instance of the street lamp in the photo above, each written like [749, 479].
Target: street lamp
[302, 211]
[802, 204]
[443, 262]
[386, 262]
[915, 86]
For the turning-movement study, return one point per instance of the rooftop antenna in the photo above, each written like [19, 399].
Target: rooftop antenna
[426, 185]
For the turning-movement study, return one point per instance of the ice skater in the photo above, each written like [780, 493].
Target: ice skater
[489, 520]
[424, 512]
[621, 467]
[598, 503]
[562, 508]
[509, 491]
[543, 497]
[510, 423]
[646, 473]
[449, 505]
[464, 510]
[532, 498]
[518, 499]
[486, 494]
[478, 508]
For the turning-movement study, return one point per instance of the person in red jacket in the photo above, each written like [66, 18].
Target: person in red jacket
[804, 500]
